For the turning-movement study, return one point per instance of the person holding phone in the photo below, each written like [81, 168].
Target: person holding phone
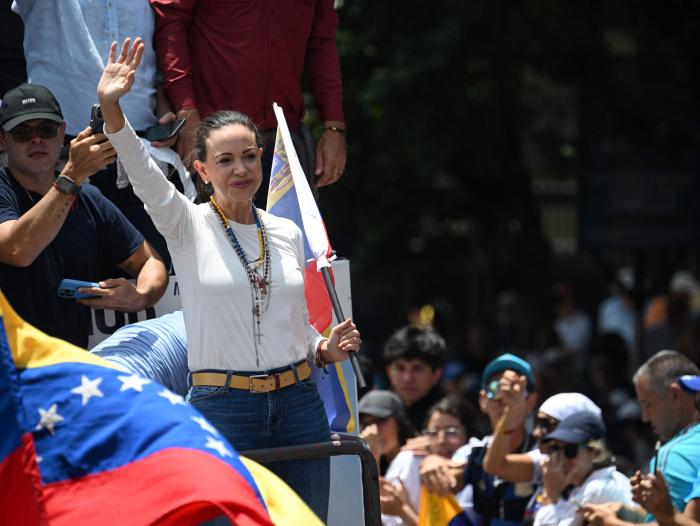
[579, 471]
[249, 340]
[494, 500]
[69, 62]
[56, 226]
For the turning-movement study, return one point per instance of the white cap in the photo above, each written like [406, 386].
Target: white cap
[562, 405]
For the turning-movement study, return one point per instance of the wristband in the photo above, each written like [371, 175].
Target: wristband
[335, 129]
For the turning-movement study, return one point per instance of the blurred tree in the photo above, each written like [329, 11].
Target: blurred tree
[436, 200]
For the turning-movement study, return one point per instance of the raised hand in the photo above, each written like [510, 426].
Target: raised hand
[512, 390]
[118, 75]
[88, 155]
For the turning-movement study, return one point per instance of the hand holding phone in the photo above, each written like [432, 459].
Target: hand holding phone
[96, 120]
[68, 288]
[164, 132]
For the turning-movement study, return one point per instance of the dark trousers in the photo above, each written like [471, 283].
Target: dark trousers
[306, 151]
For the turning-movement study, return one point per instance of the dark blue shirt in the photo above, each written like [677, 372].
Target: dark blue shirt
[95, 235]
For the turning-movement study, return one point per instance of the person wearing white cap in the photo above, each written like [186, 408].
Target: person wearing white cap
[524, 467]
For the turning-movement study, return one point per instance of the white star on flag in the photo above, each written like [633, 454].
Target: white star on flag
[88, 388]
[205, 425]
[173, 398]
[48, 419]
[218, 446]
[134, 382]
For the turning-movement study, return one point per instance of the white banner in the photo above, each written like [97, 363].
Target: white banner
[106, 322]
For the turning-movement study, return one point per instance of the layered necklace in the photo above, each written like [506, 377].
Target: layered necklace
[259, 284]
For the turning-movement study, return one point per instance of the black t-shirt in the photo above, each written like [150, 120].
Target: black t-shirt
[95, 233]
[418, 412]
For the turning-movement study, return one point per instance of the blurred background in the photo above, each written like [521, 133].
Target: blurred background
[527, 173]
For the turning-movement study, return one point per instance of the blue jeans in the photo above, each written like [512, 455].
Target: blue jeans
[290, 416]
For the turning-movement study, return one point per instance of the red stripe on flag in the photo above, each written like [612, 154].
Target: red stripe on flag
[317, 301]
[172, 487]
[20, 483]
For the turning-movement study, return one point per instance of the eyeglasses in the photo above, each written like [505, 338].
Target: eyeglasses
[23, 133]
[545, 424]
[450, 432]
[570, 450]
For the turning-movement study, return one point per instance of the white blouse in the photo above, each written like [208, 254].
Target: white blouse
[215, 290]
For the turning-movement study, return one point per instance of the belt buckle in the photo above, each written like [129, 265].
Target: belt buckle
[255, 377]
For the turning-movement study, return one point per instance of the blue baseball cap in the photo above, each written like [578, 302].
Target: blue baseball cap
[578, 429]
[506, 362]
[690, 382]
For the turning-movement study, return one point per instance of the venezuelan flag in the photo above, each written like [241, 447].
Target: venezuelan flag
[436, 510]
[83, 442]
[289, 196]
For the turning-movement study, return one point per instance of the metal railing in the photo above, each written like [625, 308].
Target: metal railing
[340, 444]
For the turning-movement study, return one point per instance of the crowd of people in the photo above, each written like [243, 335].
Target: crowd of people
[127, 107]
[522, 427]
[542, 462]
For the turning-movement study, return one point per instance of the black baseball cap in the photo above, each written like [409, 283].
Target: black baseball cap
[578, 428]
[381, 404]
[27, 102]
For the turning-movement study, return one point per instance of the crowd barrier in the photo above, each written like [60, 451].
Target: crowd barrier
[340, 444]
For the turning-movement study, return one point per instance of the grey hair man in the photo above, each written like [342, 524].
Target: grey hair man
[670, 410]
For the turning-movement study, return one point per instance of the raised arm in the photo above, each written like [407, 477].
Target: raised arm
[166, 206]
[23, 238]
[511, 467]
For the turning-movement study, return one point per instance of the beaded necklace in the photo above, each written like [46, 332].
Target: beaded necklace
[259, 285]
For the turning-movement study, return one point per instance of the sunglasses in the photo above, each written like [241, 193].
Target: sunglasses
[23, 133]
[545, 425]
[450, 432]
[570, 451]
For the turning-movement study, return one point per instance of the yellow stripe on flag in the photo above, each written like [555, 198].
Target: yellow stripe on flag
[30, 347]
[284, 506]
[437, 510]
[341, 378]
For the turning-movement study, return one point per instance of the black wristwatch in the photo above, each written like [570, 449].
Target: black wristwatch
[66, 185]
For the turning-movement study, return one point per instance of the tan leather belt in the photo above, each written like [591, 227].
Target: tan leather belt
[259, 383]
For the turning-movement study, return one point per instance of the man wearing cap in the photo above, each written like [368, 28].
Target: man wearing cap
[495, 501]
[670, 409]
[383, 425]
[55, 226]
[414, 356]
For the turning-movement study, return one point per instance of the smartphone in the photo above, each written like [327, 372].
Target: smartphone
[164, 132]
[96, 121]
[68, 288]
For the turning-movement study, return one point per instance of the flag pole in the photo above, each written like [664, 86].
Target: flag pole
[338, 310]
